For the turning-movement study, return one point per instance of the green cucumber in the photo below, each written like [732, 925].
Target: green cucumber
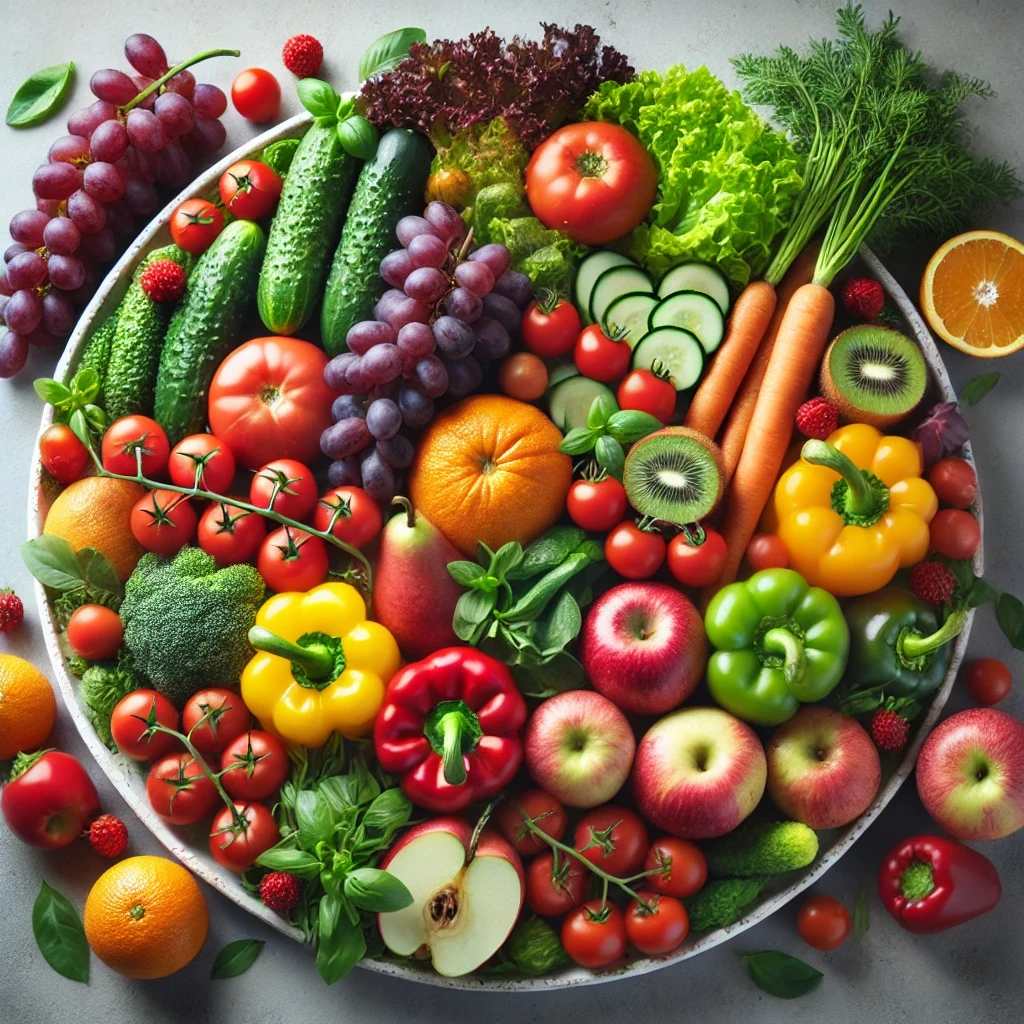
[390, 186]
[96, 354]
[676, 350]
[207, 326]
[591, 267]
[694, 312]
[696, 277]
[570, 402]
[305, 229]
[130, 381]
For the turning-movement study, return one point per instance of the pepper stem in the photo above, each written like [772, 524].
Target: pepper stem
[780, 641]
[910, 646]
[454, 765]
[862, 499]
[318, 660]
[917, 880]
[453, 730]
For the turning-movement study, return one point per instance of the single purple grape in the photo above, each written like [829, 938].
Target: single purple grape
[140, 197]
[417, 409]
[335, 371]
[362, 336]
[431, 377]
[84, 122]
[378, 478]
[66, 272]
[183, 83]
[23, 312]
[454, 338]
[56, 181]
[409, 227]
[345, 473]
[495, 256]
[382, 364]
[345, 406]
[58, 313]
[383, 418]
[61, 236]
[464, 376]
[26, 270]
[104, 182]
[208, 101]
[113, 86]
[109, 141]
[13, 353]
[426, 284]
[87, 213]
[463, 305]
[476, 278]
[102, 246]
[492, 340]
[145, 131]
[504, 310]
[397, 451]
[446, 221]
[175, 113]
[146, 55]
[387, 303]
[345, 438]
[396, 267]
[427, 251]
[28, 227]
[416, 340]
[408, 311]
[208, 135]
[515, 286]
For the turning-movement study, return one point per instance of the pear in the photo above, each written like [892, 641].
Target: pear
[414, 595]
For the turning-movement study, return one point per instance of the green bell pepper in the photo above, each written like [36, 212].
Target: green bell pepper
[778, 643]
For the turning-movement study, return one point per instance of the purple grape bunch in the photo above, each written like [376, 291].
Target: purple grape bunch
[450, 310]
[99, 181]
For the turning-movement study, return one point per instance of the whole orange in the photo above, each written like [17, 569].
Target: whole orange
[93, 513]
[146, 917]
[489, 469]
[27, 706]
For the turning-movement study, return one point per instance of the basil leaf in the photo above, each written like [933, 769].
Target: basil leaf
[341, 944]
[278, 155]
[1010, 613]
[562, 625]
[316, 822]
[466, 573]
[51, 391]
[236, 958]
[296, 862]
[99, 573]
[389, 812]
[319, 98]
[609, 456]
[379, 892]
[542, 679]
[577, 441]
[473, 607]
[601, 410]
[53, 562]
[780, 974]
[506, 558]
[85, 385]
[358, 137]
[549, 550]
[59, 934]
[978, 387]
[80, 425]
[979, 592]
[96, 418]
[343, 792]
[861, 912]
[40, 96]
[388, 51]
[630, 425]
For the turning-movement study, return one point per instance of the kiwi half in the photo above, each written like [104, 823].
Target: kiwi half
[873, 375]
[674, 474]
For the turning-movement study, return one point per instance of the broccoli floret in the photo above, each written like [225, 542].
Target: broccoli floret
[720, 904]
[762, 848]
[186, 622]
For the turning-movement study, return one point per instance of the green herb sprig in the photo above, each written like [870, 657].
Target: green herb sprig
[608, 433]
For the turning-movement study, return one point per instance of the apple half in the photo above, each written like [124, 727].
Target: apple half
[461, 912]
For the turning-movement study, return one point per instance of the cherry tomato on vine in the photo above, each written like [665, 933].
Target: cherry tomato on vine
[356, 516]
[214, 718]
[286, 486]
[955, 533]
[255, 765]
[954, 482]
[766, 551]
[648, 392]
[256, 95]
[237, 848]
[549, 814]
[599, 357]
[550, 326]
[613, 838]
[550, 893]
[230, 534]
[681, 865]
[596, 505]
[292, 560]
[250, 189]
[594, 935]
[659, 927]
[163, 521]
[179, 790]
[95, 632]
[128, 725]
[523, 376]
[634, 553]
[126, 436]
[63, 456]
[693, 564]
[195, 223]
[206, 455]
[988, 681]
[823, 922]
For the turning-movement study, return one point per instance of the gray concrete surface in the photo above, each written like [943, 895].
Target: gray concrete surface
[973, 972]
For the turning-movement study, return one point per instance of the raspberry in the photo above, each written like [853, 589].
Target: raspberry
[863, 298]
[163, 281]
[817, 418]
[932, 582]
[108, 836]
[303, 55]
[12, 611]
[279, 890]
[889, 730]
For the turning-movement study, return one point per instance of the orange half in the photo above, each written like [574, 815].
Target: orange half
[972, 293]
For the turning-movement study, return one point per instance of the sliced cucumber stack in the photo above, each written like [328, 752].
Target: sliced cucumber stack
[570, 401]
[612, 285]
[673, 349]
[591, 267]
[628, 316]
[696, 277]
[694, 312]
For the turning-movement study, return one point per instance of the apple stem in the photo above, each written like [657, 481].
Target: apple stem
[910, 645]
[780, 641]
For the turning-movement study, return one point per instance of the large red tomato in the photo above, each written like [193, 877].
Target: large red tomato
[268, 400]
[593, 181]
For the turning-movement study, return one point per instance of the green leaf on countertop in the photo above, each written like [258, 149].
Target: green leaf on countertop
[780, 974]
[861, 912]
[388, 51]
[59, 934]
[978, 387]
[40, 96]
[1010, 613]
[236, 958]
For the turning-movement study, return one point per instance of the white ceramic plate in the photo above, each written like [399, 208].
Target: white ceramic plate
[189, 845]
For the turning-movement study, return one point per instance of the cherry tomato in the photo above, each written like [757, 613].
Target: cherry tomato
[230, 534]
[250, 189]
[292, 560]
[596, 505]
[237, 847]
[988, 681]
[523, 375]
[600, 357]
[550, 893]
[356, 516]
[697, 565]
[592, 181]
[683, 868]
[214, 718]
[285, 486]
[128, 435]
[95, 632]
[63, 456]
[256, 95]
[954, 482]
[254, 765]
[613, 838]
[659, 927]
[195, 224]
[823, 922]
[955, 533]
[594, 935]
[179, 790]
[163, 521]
[766, 551]
[550, 330]
[130, 719]
[204, 455]
[648, 392]
[550, 818]
[634, 553]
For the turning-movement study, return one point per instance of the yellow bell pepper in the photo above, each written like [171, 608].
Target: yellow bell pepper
[320, 666]
[854, 509]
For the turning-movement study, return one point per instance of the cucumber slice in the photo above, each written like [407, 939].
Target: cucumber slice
[694, 312]
[570, 401]
[560, 371]
[678, 351]
[612, 285]
[697, 277]
[630, 313]
[591, 267]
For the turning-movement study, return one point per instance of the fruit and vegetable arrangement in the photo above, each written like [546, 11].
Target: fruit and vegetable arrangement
[504, 525]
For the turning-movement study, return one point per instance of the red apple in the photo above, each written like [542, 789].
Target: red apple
[461, 913]
[970, 774]
[643, 646]
[823, 768]
[579, 748]
[698, 773]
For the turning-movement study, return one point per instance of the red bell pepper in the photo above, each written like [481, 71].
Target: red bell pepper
[930, 884]
[449, 729]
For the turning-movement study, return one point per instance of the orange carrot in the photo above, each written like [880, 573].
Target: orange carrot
[750, 318]
[794, 360]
